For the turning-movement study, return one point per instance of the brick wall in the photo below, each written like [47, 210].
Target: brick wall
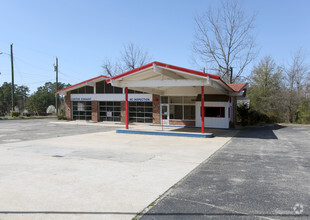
[94, 111]
[68, 106]
[156, 109]
[182, 123]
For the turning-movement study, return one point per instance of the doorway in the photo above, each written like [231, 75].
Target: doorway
[164, 112]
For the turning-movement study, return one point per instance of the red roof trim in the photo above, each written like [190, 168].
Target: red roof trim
[194, 72]
[131, 71]
[78, 84]
[187, 70]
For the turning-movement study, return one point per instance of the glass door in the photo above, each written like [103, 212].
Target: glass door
[164, 113]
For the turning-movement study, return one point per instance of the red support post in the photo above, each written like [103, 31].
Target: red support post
[202, 110]
[126, 107]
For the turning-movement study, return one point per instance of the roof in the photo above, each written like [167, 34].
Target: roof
[81, 83]
[194, 72]
[237, 87]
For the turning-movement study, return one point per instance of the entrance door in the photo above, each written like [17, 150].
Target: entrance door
[164, 112]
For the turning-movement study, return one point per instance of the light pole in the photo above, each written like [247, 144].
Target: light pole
[12, 70]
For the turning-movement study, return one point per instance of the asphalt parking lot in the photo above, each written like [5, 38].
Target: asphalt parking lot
[34, 129]
[79, 170]
[262, 173]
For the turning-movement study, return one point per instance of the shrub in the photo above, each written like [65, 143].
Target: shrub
[243, 114]
[61, 117]
[249, 116]
[27, 114]
[15, 113]
[62, 113]
[304, 113]
[0, 112]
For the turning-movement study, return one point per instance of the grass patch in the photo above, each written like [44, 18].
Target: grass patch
[25, 117]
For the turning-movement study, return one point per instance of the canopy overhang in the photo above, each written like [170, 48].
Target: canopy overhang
[167, 80]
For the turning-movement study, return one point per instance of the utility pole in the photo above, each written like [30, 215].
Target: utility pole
[56, 95]
[12, 69]
[231, 74]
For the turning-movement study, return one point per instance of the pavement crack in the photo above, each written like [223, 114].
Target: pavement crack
[220, 207]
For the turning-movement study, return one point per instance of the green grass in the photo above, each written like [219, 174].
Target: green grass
[25, 117]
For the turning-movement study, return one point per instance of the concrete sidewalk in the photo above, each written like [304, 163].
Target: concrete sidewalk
[100, 175]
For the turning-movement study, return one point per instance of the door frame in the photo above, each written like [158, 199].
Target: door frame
[164, 121]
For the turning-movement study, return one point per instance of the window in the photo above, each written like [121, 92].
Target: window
[176, 112]
[103, 87]
[141, 112]
[109, 111]
[189, 112]
[180, 107]
[164, 100]
[217, 112]
[83, 90]
[176, 99]
[81, 110]
[130, 91]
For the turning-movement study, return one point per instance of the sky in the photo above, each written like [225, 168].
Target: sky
[83, 33]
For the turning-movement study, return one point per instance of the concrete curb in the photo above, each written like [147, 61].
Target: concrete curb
[162, 133]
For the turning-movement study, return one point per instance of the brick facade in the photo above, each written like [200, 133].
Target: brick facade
[182, 123]
[68, 106]
[156, 109]
[95, 111]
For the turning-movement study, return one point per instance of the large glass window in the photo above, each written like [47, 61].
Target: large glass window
[180, 107]
[176, 111]
[109, 111]
[81, 110]
[83, 90]
[103, 87]
[189, 112]
[218, 112]
[141, 112]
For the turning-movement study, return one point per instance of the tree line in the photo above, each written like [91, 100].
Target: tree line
[280, 93]
[33, 103]
[224, 44]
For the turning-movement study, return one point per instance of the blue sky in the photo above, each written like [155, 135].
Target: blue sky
[82, 33]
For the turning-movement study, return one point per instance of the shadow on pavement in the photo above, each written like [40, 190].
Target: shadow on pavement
[266, 132]
[261, 132]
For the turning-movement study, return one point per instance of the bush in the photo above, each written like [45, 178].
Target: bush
[27, 114]
[61, 117]
[0, 112]
[15, 113]
[62, 112]
[249, 116]
[243, 114]
[304, 113]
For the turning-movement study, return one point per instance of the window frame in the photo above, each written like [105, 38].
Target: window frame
[220, 107]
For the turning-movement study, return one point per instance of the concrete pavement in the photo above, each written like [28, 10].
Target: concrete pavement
[97, 175]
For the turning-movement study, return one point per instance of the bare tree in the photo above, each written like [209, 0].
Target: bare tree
[224, 40]
[131, 57]
[134, 56]
[111, 68]
[296, 80]
[297, 71]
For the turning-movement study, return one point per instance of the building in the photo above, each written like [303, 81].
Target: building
[156, 93]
